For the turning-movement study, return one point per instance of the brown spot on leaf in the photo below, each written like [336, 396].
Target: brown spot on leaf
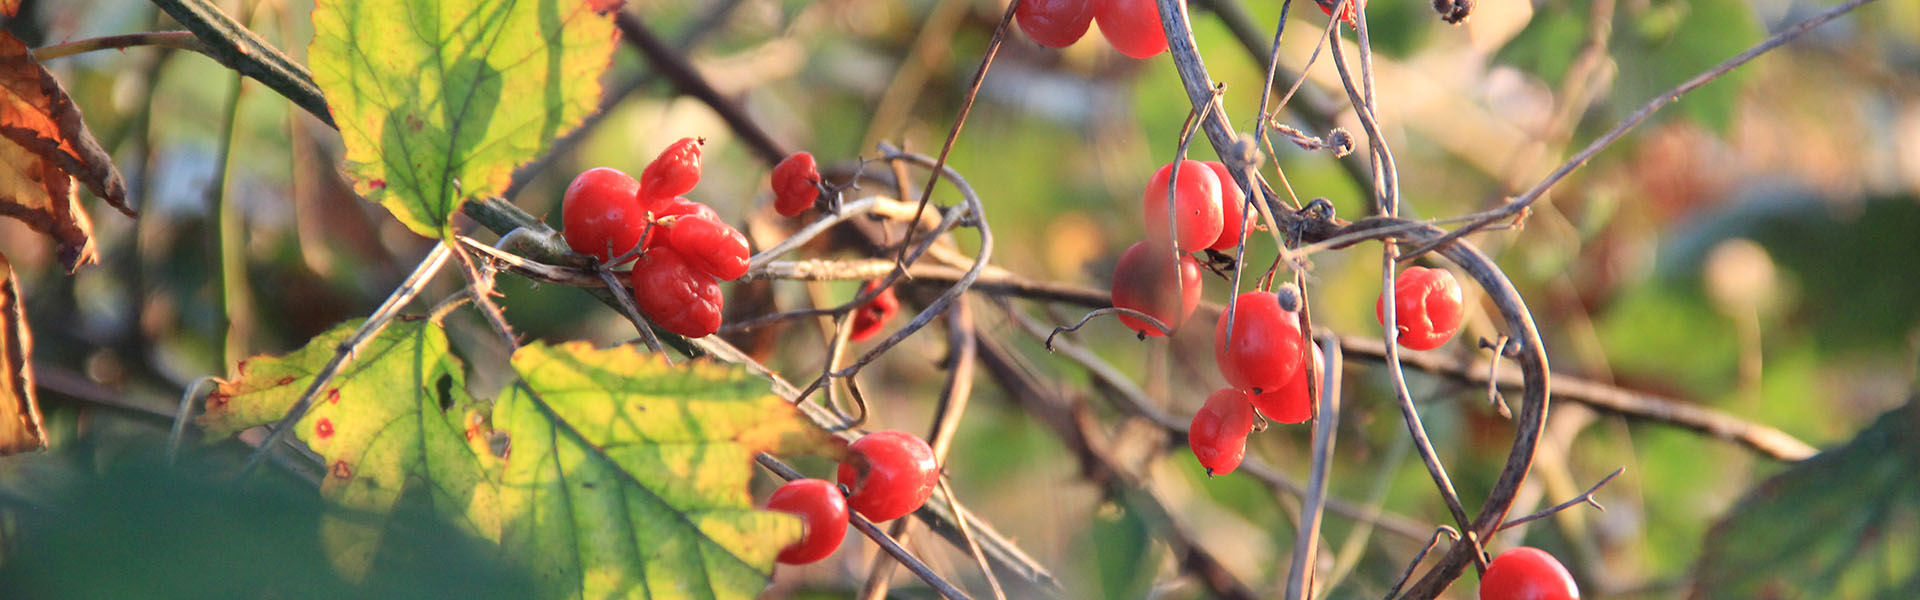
[324, 428]
[285, 381]
[333, 396]
[378, 184]
[340, 470]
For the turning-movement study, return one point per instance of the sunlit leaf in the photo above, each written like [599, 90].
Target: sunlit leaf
[607, 472]
[615, 436]
[1843, 524]
[438, 100]
[397, 413]
[46, 147]
[20, 427]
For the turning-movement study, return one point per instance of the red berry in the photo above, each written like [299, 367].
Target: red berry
[891, 474]
[1055, 23]
[675, 171]
[675, 295]
[869, 318]
[1232, 203]
[1265, 351]
[1290, 403]
[599, 215]
[1132, 26]
[1144, 280]
[1527, 574]
[661, 208]
[1196, 206]
[1351, 14]
[1427, 309]
[796, 184]
[823, 518]
[713, 247]
[1218, 435]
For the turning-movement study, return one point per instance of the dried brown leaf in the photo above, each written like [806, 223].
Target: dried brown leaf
[20, 429]
[46, 148]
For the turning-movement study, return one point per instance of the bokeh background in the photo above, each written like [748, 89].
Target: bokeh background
[1747, 249]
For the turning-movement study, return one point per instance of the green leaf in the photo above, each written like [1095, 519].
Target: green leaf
[607, 472]
[1667, 42]
[438, 100]
[1843, 524]
[613, 436]
[398, 411]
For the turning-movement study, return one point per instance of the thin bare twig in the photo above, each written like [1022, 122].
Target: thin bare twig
[1306, 540]
[343, 353]
[1584, 498]
[178, 40]
[1517, 207]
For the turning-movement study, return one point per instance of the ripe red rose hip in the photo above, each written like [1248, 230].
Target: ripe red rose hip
[675, 295]
[1232, 203]
[715, 248]
[675, 171]
[796, 184]
[1144, 280]
[871, 317]
[823, 518]
[1264, 353]
[1527, 574]
[1427, 307]
[1055, 23]
[1290, 403]
[599, 215]
[891, 474]
[1218, 435]
[1132, 26]
[1197, 216]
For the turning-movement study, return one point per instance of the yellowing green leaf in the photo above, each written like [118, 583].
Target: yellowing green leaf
[614, 436]
[438, 100]
[608, 472]
[398, 412]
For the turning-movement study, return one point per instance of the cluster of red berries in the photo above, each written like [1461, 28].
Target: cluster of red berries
[1132, 26]
[1527, 574]
[1263, 357]
[887, 475]
[683, 248]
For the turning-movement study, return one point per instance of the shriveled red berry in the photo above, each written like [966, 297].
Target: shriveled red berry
[1218, 435]
[1290, 403]
[891, 474]
[1145, 280]
[823, 518]
[1265, 349]
[715, 248]
[675, 295]
[796, 184]
[675, 171]
[1055, 23]
[871, 317]
[1232, 205]
[1428, 307]
[1197, 216]
[1351, 14]
[1132, 26]
[599, 215]
[662, 208]
[1527, 574]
